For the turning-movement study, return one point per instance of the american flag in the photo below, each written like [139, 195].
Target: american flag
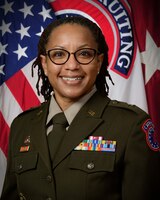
[21, 24]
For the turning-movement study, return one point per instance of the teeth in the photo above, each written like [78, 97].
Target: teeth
[72, 78]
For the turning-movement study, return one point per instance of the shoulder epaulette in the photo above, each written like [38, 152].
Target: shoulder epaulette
[126, 106]
[35, 108]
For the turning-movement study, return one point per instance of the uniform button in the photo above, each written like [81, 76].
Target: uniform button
[90, 165]
[49, 178]
[20, 167]
[21, 196]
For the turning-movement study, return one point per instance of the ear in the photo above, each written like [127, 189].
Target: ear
[100, 61]
[44, 64]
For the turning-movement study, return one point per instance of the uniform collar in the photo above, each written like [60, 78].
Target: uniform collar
[71, 112]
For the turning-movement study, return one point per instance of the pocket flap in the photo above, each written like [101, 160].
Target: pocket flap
[92, 161]
[25, 162]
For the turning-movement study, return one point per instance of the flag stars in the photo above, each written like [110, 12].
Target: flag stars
[5, 28]
[23, 31]
[151, 57]
[7, 7]
[1, 69]
[45, 13]
[3, 49]
[20, 26]
[21, 52]
[26, 10]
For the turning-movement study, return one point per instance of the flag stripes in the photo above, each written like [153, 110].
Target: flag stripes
[22, 91]
[4, 134]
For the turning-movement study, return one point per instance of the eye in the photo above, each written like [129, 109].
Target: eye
[85, 53]
[57, 54]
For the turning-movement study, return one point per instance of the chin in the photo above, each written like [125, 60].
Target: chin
[73, 95]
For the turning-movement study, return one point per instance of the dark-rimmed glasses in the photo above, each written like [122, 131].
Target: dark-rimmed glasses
[60, 56]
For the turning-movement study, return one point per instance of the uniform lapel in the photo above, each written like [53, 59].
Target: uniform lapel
[85, 122]
[38, 129]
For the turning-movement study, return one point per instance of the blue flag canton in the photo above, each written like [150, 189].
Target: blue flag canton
[21, 24]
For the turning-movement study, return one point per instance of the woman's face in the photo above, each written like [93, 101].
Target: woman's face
[71, 80]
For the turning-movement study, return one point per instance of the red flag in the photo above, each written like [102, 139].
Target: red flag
[146, 16]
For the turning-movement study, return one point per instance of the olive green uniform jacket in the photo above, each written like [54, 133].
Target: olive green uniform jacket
[131, 172]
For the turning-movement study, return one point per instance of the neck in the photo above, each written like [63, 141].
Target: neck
[65, 103]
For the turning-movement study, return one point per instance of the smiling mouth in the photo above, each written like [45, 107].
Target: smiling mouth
[71, 78]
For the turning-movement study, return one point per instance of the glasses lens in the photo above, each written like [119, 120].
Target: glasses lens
[58, 56]
[85, 56]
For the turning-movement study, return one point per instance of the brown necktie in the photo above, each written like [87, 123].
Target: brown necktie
[56, 135]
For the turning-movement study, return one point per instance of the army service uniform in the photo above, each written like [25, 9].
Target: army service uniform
[125, 167]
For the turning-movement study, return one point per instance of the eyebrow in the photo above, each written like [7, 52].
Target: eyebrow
[80, 47]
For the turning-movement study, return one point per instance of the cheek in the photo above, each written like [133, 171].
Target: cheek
[52, 69]
[52, 73]
[94, 69]
[92, 75]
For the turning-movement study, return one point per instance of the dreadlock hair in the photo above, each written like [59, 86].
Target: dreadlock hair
[101, 84]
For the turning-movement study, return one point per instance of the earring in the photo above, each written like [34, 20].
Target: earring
[45, 73]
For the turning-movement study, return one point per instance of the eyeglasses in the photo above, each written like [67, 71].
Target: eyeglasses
[60, 56]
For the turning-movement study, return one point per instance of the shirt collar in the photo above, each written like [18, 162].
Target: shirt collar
[70, 112]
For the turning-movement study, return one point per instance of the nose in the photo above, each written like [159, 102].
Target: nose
[72, 63]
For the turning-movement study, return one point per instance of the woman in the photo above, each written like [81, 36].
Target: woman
[105, 151]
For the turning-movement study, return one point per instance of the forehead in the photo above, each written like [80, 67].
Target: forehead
[72, 26]
[72, 32]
